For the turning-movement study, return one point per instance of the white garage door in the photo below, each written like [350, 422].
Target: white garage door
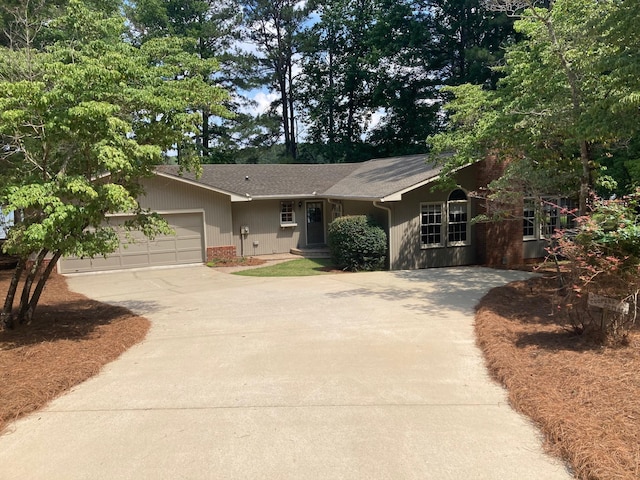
[184, 247]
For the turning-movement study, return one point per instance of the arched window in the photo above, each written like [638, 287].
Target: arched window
[445, 224]
[458, 219]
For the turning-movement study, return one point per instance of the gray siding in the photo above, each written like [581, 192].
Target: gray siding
[266, 236]
[406, 251]
[163, 194]
[379, 215]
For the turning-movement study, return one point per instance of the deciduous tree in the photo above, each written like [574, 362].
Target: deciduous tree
[81, 123]
[553, 109]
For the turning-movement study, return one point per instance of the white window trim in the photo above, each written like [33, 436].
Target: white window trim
[467, 226]
[444, 231]
[534, 219]
[287, 223]
[443, 228]
[541, 221]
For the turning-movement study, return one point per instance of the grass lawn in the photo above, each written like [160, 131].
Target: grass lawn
[302, 267]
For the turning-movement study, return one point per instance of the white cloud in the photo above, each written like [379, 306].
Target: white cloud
[375, 118]
[262, 99]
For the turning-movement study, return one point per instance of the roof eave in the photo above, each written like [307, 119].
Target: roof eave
[285, 196]
[234, 196]
[354, 198]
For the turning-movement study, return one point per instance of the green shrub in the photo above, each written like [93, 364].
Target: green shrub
[603, 254]
[356, 243]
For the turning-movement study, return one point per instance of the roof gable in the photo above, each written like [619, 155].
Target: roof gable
[385, 178]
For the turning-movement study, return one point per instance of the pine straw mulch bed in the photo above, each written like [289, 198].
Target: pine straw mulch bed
[585, 398]
[70, 339]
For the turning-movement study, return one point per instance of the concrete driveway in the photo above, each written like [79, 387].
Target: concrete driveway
[347, 376]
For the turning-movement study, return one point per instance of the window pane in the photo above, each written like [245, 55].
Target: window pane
[457, 212]
[567, 216]
[550, 216]
[457, 195]
[529, 219]
[286, 212]
[431, 225]
[457, 230]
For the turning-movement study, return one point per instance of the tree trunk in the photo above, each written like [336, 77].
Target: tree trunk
[585, 178]
[292, 117]
[6, 317]
[206, 134]
[284, 95]
[35, 298]
[332, 126]
[576, 100]
[28, 283]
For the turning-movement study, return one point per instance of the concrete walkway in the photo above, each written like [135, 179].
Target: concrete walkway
[346, 376]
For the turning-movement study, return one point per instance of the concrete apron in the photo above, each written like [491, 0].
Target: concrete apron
[346, 376]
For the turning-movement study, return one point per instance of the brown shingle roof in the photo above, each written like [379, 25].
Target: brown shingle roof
[268, 180]
[374, 180]
[383, 177]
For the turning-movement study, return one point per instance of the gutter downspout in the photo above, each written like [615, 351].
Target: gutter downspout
[378, 204]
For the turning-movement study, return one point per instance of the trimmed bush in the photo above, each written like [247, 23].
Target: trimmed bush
[356, 243]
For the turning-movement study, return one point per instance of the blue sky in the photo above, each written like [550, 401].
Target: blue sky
[5, 221]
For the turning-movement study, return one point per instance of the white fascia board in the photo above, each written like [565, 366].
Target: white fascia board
[234, 196]
[355, 198]
[285, 197]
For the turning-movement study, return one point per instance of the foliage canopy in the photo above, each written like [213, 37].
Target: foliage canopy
[82, 121]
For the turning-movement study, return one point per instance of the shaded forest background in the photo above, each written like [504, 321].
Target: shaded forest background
[346, 80]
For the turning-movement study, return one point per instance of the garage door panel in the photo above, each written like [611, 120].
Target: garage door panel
[190, 243]
[76, 264]
[186, 245]
[162, 258]
[129, 248]
[188, 256]
[133, 261]
[109, 263]
[187, 231]
[163, 244]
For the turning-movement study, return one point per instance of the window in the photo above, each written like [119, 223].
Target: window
[544, 215]
[458, 213]
[287, 214]
[445, 223]
[529, 219]
[568, 212]
[549, 217]
[431, 225]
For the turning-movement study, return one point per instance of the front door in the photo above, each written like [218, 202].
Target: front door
[315, 223]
